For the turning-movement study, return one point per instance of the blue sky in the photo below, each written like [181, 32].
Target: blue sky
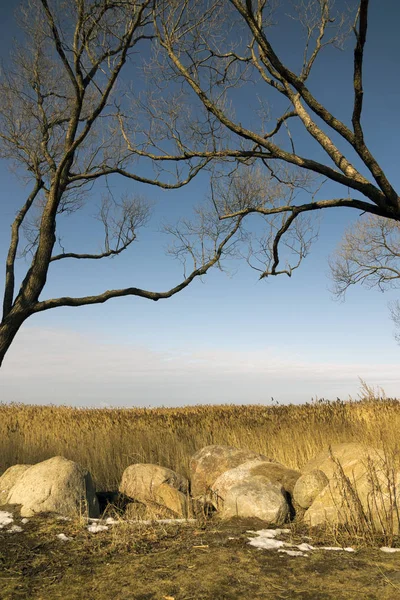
[225, 339]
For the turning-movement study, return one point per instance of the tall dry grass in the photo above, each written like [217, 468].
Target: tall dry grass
[106, 441]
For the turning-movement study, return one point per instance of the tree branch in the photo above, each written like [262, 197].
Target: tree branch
[128, 175]
[354, 179]
[132, 291]
[275, 247]
[292, 79]
[361, 36]
[12, 252]
[90, 256]
[59, 46]
[310, 206]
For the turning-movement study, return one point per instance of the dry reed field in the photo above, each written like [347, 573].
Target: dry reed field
[106, 441]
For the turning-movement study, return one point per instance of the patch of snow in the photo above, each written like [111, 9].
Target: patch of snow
[160, 521]
[266, 539]
[292, 552]
[175, 520]
[25, 521]
[62, 518]
[266, 543]
[304, 547]
[111, 521]
[15, 529]
[6, 518]
[269, 533]
[389, 550]
[63, 537]
[96, 528]
[336, 548]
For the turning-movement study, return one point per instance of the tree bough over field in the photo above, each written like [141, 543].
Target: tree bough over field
[73, 115]
[61, 124]
[218, 49]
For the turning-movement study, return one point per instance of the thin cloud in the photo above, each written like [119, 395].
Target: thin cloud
[61, 366]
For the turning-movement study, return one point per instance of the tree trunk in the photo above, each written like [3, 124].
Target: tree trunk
[9, 328]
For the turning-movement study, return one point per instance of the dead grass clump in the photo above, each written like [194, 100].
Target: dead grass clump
[371, 514]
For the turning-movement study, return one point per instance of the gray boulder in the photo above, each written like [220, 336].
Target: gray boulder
[56, 485]
[271, 471]
[256, 497]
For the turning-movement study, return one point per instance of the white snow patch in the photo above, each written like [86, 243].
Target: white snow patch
[96, 528]
[111, 521]
[266, 539]
[160, 521]
[269, 533]
[336, 548]
[164, 521]
[6, 518]
[15, 529]
[63, 537]
[267, 543]
[62, 518]
[304, 547]
[25, 521]
[292, 552]
[389, 550]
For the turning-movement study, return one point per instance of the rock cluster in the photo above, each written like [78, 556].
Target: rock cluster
[340, 484]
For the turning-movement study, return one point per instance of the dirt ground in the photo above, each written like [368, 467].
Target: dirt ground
[211, 561]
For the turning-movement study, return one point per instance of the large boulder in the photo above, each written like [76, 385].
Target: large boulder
[139, 481]
[56, 485]
[9, 479]
[270, 471]
[156, 486]
[256, 497]
[172, 499]
[329, 507]
[168, 502]
[308, 486]
[359, 488]
[347, 453]
[211, 461]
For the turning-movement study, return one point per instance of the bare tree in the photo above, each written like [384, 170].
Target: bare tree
[369, 254]
[60, 115]
[212, 50]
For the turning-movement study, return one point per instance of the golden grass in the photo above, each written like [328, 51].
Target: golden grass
[106, 441]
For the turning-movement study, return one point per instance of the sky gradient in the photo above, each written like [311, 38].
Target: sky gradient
[226, 339]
